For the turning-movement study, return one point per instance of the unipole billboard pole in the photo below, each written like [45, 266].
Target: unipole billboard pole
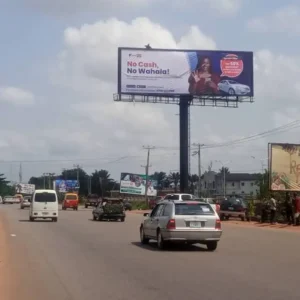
[184, 142]
[147, 171]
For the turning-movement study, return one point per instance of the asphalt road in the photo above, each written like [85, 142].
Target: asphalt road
[78, 259]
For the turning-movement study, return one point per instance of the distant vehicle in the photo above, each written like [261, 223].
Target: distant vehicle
[110, 209]
[178, 221]
[178, 196]
[233, 207]
[92, 200]
[44, 205]
[25, 202]
[20, 197]
[11, 200]
[232, 87]
[71, 200]
[127, 205]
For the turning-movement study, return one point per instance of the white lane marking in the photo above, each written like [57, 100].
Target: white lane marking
[13, 235]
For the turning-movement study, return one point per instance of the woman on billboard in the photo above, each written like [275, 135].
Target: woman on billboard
[202, 80]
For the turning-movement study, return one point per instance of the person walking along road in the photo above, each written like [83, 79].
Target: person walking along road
[273, 208]
[289, 209]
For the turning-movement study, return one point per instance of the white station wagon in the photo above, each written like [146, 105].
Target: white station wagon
[178, 221]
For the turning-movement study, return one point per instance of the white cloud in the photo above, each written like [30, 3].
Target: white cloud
[283, 20]
[16, 96]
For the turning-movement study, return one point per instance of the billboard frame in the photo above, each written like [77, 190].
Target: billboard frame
[270, 157]
[203, 100]
[184, 102]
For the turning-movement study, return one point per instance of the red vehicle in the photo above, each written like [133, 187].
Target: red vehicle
[71, 200]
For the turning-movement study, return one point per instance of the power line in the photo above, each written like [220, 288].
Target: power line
[276, 130]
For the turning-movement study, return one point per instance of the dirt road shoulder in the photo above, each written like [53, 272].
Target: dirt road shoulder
[4, 262]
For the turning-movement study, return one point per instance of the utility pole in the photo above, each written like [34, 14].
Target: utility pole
[50, 180]
[45, 174]
[199, 167]
[77, 167]
[20, 173]
[224, 175]
[147, 169]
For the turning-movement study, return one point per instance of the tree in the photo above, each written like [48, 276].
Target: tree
[161, 178]
[226, 170]
[5, 188]
[102, 184]
[263, 183]
[193, 179]
[174, 178]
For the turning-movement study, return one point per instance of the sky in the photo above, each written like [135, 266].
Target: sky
[59, 73]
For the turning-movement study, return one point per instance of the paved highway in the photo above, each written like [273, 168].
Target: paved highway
[78, 259]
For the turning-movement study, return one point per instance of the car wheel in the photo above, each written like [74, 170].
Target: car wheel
[227, 218]
[22, 207]
[160, 241]
[243, 219]
[100, 218]
[31, 219]
[94, 218]
[54, 220]
[144, 240]
[212, 246]
[231, 92]
[86, 206]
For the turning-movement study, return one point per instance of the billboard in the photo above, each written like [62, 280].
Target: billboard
[65, 186]
[24, 188]
[185, 72]
[284, 167]
[135, 184]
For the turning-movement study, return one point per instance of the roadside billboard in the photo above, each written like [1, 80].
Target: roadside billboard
[284, 167]
[185, 72]
[24, 188]
[135, 184]
[65, 186]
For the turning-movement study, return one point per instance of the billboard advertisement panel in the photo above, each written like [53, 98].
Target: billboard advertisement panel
[185, 72]
[25, 188]
[284, 167]
[64, 186]
[135, 184]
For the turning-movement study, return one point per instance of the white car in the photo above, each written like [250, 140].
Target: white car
[11, 200]
[232, 88]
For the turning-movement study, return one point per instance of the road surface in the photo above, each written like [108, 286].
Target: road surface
[78, 259]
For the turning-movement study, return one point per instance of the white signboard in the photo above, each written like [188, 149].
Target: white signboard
[25, 188]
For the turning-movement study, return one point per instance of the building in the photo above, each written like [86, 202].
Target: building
[244, 184]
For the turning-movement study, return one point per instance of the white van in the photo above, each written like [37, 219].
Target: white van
[44, 205]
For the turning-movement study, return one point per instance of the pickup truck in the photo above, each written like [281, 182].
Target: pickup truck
[92, 200]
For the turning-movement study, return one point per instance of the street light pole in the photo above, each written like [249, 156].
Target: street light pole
[199, 167]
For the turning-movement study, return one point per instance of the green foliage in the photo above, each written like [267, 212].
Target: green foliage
[221, 171]
[5, 188]
[139, 205]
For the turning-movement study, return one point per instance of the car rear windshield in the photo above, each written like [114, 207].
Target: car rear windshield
[186, 197]
[45, 197]
[92, 197]
[71, 197]
[193, 209]
[172, 197]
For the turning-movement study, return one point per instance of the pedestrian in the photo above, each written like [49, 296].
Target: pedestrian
[273, 208]
[296, 202]
[289, 209]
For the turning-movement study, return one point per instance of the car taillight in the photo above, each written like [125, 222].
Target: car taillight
[171, 224]
[218, 225]
[217, 207]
